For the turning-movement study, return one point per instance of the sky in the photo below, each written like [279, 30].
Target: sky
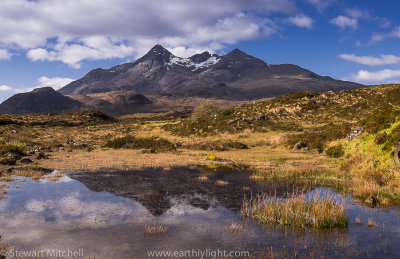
[52, 42]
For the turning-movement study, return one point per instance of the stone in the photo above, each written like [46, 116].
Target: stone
[179, 144]
[8, 161]
[371, 200]
[355, 133]
[300, 145]
[262, 117]
[233, 121]
[396, 152]
[41, 155]
[26, 161]
[105, 135]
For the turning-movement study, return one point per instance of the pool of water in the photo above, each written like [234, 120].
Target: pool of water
[105, 214]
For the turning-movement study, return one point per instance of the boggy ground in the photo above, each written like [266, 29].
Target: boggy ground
[258, 136]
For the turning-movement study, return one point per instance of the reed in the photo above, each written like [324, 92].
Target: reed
[155, 229]
[296, 211]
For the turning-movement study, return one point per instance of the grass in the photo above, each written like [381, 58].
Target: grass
[155, 229]
[236, 227]
[363, 166]
[371, 223]
[296, 211]
[158, 144]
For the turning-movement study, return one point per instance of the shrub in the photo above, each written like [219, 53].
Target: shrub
[380, 138]
[159, 144]
[335, 151]
[218, 145]
[14, 147]
[205, 110]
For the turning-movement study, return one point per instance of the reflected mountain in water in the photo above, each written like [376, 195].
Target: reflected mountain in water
[156, 189]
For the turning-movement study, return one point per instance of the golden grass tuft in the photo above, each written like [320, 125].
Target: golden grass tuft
[203, 178]
[296, 211]
[371, 223]
[155, 229]
[222, 182]
[236, 227]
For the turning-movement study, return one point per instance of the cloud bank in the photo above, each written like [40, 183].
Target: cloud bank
[72, 31]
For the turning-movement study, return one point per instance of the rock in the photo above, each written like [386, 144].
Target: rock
[179, 144]
[12, 155]
[69, 141]
[371, 200]
[105, 135]
[25, 161]
[8, 161]
[6, 170]
[233, 121]
[41, 155]
[396, 152]
[262, 117]
[300, 145]
[146, 151]
[355, 133]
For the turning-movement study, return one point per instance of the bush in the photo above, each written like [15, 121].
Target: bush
[158, 144]
[335, 151]
[13, 147]
[218, 145]
[318, 137]
[205, 110]
[381, 138]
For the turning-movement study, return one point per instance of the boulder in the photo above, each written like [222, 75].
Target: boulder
[396, 152]
[233, 121]
[300, 145]
[355, 133]
[41, 155]
[26, 161]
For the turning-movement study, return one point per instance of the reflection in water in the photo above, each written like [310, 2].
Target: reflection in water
[106, 213]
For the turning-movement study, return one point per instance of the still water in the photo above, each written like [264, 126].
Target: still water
[104, 215]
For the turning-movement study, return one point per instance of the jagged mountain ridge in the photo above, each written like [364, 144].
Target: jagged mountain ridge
[235, 75]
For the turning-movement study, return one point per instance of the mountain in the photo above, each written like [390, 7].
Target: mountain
[40, 100]
[235, 75]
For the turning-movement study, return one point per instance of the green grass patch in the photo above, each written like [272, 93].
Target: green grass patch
[158, 144]
[296, 211]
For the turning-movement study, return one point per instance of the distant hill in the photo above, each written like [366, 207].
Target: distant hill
[235, 75]
[40, 100]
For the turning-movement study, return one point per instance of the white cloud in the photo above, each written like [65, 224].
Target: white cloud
[43, 81]
[343, 22]
[5, 88]
[381, 76]
[72, 31]
[301, 21]
[321, 4]
[372, 61]
[376, 36]
[55, 82]
[88, 48]
[4, 54]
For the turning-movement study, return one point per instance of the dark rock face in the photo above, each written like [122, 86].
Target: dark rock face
[235, 75]
[40, 100]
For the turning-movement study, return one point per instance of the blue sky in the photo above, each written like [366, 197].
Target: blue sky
[51, 42]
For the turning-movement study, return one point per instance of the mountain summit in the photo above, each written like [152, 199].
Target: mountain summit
[235, 75]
